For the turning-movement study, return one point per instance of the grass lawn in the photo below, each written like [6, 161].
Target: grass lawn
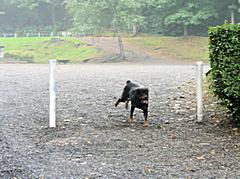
[40, 50]
[187, 48]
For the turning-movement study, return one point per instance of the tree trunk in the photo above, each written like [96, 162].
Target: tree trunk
[93, 40]
[121, 47]
[134, 30]
[185, 30]
[54, 18]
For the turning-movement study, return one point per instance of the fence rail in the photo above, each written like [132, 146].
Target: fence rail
[44, 34]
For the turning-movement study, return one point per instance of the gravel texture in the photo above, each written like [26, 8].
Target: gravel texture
[93, 138]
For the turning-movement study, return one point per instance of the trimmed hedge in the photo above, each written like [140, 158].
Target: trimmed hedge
[224, 46]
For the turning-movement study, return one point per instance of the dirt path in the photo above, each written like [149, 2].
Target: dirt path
[93, 139]
[133, 54]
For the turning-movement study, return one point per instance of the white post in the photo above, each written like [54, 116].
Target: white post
[232, 17]
[52, 90]
[1, 52]
[199, 91]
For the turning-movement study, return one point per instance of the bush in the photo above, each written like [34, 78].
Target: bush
[19, 56]
[224, 46]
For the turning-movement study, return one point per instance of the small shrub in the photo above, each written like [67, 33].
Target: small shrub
[18, 55]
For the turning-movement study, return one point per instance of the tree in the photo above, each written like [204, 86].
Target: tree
[13, 17]
[49, 12]
[100, 15]
[171, 17]
[186, 14]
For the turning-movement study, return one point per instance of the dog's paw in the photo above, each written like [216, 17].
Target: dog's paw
[130, 120]
[145, 124]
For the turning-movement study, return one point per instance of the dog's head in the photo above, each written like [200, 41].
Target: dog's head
[140, 94]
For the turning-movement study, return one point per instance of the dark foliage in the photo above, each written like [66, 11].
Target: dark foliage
[225, 62]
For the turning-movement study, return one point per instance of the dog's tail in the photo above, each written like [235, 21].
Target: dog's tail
[128, 81]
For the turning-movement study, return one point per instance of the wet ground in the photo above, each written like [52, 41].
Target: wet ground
[93, 138]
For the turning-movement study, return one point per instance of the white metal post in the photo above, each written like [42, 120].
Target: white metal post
[199, 91]
[1, 52]
[52, 90]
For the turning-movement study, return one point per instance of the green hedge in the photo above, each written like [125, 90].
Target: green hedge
[224, 46]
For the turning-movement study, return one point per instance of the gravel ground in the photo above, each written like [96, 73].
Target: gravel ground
[93, 138]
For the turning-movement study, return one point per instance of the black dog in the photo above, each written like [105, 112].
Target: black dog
[138, 96]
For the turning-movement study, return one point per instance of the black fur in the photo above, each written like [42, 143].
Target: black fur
[138, 95]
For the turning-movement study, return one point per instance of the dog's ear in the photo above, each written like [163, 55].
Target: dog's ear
[138, 91]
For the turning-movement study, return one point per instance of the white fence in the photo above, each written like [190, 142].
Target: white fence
[44, 34]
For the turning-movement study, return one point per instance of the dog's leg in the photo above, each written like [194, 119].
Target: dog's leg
[145, 113]
[126, 104]
[118, 101]
[130, 120]
[122, 99]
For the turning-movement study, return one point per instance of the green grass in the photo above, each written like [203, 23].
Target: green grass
[187, 48]
[40, 50]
